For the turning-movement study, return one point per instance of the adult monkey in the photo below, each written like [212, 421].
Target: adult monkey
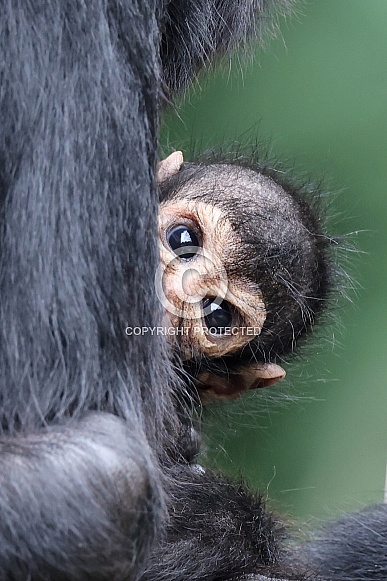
[85, 419]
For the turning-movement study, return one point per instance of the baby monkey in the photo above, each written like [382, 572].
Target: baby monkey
[245, 270]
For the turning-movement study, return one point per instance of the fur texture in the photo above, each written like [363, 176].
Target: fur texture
[218, 530]
[198, 31]
[284, 248]
[352, 549]
[80, 84]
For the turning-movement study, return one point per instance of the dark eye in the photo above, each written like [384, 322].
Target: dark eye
[183, 241]
[217, 315]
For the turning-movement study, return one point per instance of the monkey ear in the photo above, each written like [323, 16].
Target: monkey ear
[169, 166]
[212, 386]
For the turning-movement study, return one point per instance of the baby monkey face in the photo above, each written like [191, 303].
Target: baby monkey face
[207, 283]
[216, 311]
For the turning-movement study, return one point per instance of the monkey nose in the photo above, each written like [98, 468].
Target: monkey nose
[192, 285]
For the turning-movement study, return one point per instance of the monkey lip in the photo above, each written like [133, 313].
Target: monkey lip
[267, 374]
[265, 382]
[255, 376]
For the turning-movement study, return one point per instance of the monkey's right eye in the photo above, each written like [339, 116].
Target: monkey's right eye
[183, 241]
[217, 316]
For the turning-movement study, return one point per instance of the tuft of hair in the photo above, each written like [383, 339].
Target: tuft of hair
[197, 31]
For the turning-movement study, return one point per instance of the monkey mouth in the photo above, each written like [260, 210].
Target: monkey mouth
[231, 384]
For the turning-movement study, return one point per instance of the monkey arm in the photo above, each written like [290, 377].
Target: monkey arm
[218, 530]
[76, 503]
[352, 549]
[215, 29]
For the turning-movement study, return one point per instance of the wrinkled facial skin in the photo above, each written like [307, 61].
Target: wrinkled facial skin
[194, 276]
[214, 310]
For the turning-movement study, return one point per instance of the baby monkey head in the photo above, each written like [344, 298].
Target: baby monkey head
[245, 271]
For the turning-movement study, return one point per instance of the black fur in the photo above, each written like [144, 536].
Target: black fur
[198, 31]
[87, 416]
[218, 530]
[80, 84]
[352, 549]
[71, 499]
[284, 249]
[78, 109]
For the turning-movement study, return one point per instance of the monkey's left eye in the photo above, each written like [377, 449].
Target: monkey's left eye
[183, 241]
[217, 316]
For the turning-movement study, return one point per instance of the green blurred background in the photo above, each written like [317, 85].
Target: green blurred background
[317, 443]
